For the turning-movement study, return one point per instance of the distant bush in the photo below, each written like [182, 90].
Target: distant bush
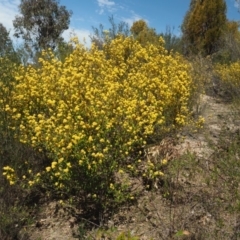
[91, 113]
[230, 44]
[230, 76]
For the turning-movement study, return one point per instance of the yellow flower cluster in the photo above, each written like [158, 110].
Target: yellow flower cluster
[91, 111]
[200, 122]
[9, 173]
[153, 170]
[230, 74]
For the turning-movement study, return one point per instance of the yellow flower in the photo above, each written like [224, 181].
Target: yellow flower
[48, 169]
[54, 164]
[164, 161]
[30, 183]
[18, 115]
[6, 168]
[69, 146]
[90, 139]
[11, 182]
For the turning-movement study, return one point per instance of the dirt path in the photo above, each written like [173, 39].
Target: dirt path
[218, 115]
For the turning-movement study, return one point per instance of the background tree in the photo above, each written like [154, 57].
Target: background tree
[230, 42]
[63, 50]
[6, 45]
[203, 25]
[101, 35]
[7, 49]
[138, 27]
[41, 23]
[184, 25]
[142, 33]
[172, 42]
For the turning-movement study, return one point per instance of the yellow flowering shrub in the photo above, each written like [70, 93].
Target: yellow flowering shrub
[7, 69]
[7, 82]
[230, 75]
[91, 112]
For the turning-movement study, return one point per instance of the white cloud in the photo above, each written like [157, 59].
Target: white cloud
[105, 5]
[9, 9]
[237, 4]
[82, 34]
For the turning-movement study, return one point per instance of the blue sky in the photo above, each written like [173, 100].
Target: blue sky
[87, 13]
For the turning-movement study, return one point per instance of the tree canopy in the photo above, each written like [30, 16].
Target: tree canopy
[6, 45]
[41, 23]
[101, 35]
[203, 25]
[142, 33]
